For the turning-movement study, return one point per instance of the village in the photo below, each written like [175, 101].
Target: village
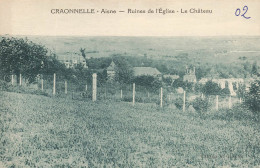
[231, 84]
[87, 108]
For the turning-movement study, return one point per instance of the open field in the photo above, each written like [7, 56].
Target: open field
[39, 131]
[199, 50]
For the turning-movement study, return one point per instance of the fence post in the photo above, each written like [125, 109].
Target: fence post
[217, 102]
[66, 87]
[121, 94]
[229, 103]
[42, 85]
[20, 83]
[106, 92]
[94, 95]
[12, 79]
[184, 97]
[159, 93]
[54, 84]
[161, 102]
[133, 94]
[86, 88]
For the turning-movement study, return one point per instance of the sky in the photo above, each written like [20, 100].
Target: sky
[34, 17]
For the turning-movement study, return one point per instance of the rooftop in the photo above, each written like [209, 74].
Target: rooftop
[139, 71]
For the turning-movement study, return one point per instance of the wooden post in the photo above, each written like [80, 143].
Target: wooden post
[54, 84]
[184, 97]
[161, 102]
[20, 83]
[86, 88]
[94, 92]
[133, 94]
[42, 85]
[12, 80]
[217, 102]
[66, 87]
[229, 103]
[240, 100]
[106, 92]
[121, 95]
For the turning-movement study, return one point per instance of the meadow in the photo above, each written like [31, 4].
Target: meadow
[40, 131]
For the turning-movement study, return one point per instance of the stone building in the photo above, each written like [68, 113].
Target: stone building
[190, 75]
[111, 71]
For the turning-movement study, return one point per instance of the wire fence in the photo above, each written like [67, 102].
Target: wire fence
[54, 85]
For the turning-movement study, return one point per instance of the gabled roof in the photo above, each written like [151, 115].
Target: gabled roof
[139, 71]
[111, 66]
[171, 76]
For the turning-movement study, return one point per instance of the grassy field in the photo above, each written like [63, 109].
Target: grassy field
[39, 131]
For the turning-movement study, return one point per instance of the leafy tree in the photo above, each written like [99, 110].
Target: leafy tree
[149, 82]
[184, 84]
[254, 69]
[211, 88]
[200, 73]
[124, 71]
[19, 55]
[241, 91]
[52, 65]
[168, 81]
[98, 63]
[198, 87]
[178, 83]
[252, 98]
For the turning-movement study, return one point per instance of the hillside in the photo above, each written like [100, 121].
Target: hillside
[201, 50]
[39, 131]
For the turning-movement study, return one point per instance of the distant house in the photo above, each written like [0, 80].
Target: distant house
[71, 60]
[111, 71]
[203, 81]
[147, 71]
[190, 75]
[74, 63]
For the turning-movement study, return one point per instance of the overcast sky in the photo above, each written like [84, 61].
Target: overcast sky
[34, 17]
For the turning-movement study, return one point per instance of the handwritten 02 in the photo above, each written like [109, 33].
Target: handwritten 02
[245, 9]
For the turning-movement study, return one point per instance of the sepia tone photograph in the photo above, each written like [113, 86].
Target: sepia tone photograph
[165, 83]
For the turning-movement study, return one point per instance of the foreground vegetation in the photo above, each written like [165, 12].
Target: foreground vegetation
[39, 131]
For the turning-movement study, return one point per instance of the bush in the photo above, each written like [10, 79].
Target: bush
[179, 103]
[4, 85]
[252, 98]
[86, 94]
[140, 99]
[201, 105]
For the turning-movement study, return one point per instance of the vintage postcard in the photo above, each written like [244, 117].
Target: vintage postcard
[149, 83]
